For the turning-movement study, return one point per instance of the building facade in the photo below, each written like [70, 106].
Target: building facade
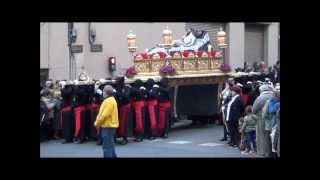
[246, 42]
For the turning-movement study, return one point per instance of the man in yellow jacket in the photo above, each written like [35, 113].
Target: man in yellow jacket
[107, 120]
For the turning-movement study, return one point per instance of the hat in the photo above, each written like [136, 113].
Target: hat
[264, 87]
[249, 82]
[99, 91]
[259, 82]
[142, 88]
[240, 85]
[62, 83]
[155, 86]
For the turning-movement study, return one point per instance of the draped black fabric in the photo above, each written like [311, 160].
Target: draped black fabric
[67, 117]
[82, 99]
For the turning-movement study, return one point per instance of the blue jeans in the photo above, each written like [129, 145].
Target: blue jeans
[108, 142]
[251, 138]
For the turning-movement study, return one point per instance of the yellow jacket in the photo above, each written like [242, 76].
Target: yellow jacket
[108, 114]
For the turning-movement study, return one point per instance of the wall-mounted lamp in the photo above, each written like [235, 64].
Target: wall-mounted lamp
[74, 34]
[92, 35]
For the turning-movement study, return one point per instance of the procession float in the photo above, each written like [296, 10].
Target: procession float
[194, 68]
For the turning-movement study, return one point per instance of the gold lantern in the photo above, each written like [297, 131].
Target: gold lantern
[167, 38]
[131, 42]
[221, 38]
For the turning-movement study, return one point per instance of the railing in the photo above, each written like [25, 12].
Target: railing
[182, 65]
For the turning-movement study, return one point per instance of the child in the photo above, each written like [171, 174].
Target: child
[243, 138]
[249, 130]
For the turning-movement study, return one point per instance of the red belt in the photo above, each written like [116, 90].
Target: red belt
[77, 112]
[151, 104]
[65, 109]
[138, 105]
[93, 106]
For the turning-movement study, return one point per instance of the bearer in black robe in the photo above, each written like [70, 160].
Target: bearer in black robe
[93, 110]
[81, 114]
[124, 103]
[164, 108]
[139, 105]
[66, 113]
[152, 112]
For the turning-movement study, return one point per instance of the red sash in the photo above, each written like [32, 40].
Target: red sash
[151, 104]
[77, 112]
[163, 106]
[245, 98]
[65, 109]
[138, 105]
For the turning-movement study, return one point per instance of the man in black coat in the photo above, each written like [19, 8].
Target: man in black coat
[235, 109]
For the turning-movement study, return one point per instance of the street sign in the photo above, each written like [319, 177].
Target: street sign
[96, 48]
[76, 48]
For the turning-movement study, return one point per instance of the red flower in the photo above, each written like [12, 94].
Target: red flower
[131, 72]
[199, 53]
[162, 55]
[144, 55]
[185, 53]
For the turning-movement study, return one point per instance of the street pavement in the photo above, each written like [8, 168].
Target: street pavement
[185, 141]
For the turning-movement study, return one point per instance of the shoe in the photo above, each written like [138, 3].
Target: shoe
[124, 142]
[252, 152]
[223, 139]
[165, 136]
[138, 139]
[235, 146]
[244, 153]
[80, 141]
[152, 138]
[65, 142]
[229, 142]
[99, 143]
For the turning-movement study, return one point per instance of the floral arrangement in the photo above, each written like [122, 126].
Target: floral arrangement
[167, 70]
[130, 72]
[225, 67]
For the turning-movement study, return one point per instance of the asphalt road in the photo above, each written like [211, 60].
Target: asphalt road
[185, 141]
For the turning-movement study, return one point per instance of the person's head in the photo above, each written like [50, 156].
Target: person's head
[107, 91]
[264, 87]
[248, 110]
[120, 81]
[137, 83]
[235, 90]
[164, 82]
[149, 84]
[48, 84]
[230, 82]
[62, 84]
